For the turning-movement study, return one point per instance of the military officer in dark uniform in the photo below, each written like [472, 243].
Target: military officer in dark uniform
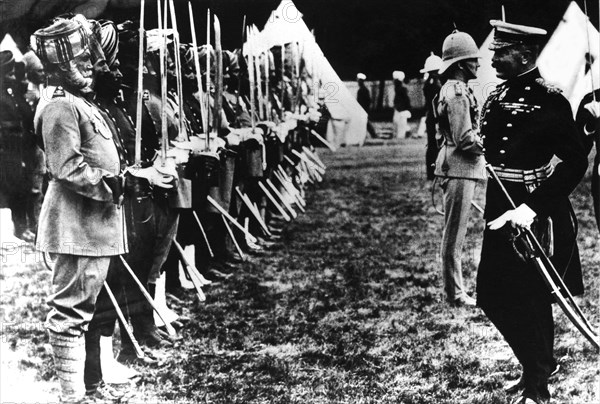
[524, 123]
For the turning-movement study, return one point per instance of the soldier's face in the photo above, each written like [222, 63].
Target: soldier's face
[110, 81]
[37, 75]
[470, 67]
[508, 62]
[79, 72]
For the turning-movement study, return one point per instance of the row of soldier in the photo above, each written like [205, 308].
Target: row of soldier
[152, 146]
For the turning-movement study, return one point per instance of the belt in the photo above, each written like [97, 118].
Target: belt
[528, 177]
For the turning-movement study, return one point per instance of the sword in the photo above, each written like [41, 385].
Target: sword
[550, 275]
[201, 94]
[218, 78]
[323, 140]
[192, 272]
[149, 298]
[267, 93]
[218, 207]
[237, 245]
[182, 131]
[314, 157]
[136, 346]
[140, 88]
[163, 86]
[206, 130]
[255, 213]
[274, 202]
[203, 234]
[281, 198]
[249, 41]
[282, 89]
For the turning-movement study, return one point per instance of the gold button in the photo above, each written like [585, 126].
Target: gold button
[502, 151]
[505, 138]
[514, 112]
[509, 125]
[502, 165]
[521, 99]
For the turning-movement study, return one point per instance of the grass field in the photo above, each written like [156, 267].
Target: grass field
[348, 308]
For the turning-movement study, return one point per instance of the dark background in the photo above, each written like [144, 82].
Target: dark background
[371, 36]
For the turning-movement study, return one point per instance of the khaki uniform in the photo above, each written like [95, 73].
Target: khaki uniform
[460, 165]
[79, 220]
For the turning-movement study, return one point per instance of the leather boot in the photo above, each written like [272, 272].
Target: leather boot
[69, 362]
[93, 370]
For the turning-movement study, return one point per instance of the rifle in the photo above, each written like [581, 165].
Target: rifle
[550, 275]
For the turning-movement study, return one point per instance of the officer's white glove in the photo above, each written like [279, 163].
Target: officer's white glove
[594, 108]
[520, 217]
[180, 155]
[232, 139]
[154, 177]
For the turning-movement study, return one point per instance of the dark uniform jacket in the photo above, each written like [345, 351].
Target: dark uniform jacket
[364, 98]
[524, 123]
[17, 143]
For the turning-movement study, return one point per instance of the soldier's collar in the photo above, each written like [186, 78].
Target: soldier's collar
[530, 75]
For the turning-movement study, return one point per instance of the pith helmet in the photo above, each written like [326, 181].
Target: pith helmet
[398, 75]
[458, 46]
[432, 64]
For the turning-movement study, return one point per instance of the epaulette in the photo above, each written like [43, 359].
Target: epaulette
[549, 87]
[58, 92]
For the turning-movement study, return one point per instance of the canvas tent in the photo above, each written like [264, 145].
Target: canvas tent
[349, 121]
[562, 62]
[9, 44]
